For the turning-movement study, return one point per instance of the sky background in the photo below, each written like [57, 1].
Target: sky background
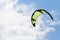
[49, 5]
[15, 20]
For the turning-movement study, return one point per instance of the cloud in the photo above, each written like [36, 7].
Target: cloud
[24, 9]
[15, 24]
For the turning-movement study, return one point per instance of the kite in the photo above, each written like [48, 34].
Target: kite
[37, 13]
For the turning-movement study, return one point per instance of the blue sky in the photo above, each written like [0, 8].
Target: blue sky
[48, 5]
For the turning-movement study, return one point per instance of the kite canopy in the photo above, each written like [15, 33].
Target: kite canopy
[37, 13]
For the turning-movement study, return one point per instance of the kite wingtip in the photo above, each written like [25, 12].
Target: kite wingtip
[34, 25]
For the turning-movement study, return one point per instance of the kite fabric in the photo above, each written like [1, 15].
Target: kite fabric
[37, 13]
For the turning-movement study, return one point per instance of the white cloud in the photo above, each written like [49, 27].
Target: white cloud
[54, 23]
[25, 9]
[15, 26]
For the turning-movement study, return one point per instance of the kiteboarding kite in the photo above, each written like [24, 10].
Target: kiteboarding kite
[37, 13]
